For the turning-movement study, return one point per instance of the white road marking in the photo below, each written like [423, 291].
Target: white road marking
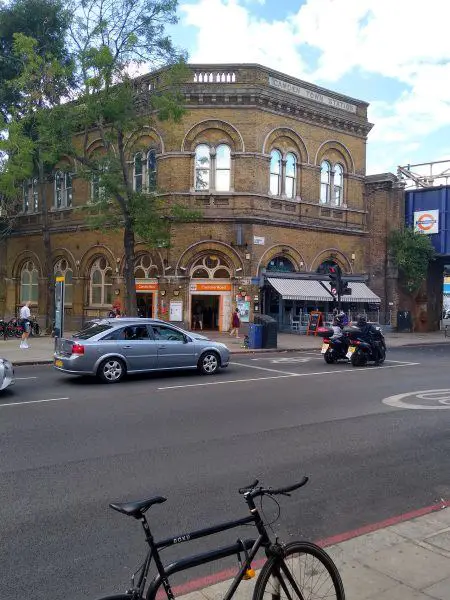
[334, 372]
[262, 368]
[23, 378]
[441, 398]
[32, 402]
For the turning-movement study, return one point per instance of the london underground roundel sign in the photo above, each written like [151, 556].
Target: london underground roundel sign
[426, 221]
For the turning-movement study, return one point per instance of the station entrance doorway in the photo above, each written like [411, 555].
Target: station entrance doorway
[213, 302]
[145, 305]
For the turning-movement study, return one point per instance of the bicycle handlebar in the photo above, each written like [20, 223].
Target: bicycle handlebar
[254, 493]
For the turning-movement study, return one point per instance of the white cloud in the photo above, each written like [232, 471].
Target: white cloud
[396, 39]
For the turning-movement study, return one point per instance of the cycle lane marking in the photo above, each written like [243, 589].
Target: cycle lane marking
[438, 399]
[348, 371]
[32, 402]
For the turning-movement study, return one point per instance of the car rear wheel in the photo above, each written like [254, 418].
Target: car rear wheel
[111, 370]
[209, 363]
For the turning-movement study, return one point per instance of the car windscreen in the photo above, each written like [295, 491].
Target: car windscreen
[85, 334]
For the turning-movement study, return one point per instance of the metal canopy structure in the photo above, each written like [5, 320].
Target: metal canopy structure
[425, 175]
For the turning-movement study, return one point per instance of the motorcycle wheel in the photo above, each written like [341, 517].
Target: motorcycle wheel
[359, 359]
[329, 358]
[381, 360]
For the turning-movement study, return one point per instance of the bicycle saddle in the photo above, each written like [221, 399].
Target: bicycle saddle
[137, 509]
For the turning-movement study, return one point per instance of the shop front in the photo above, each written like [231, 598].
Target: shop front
[147, 297]
[210, 305]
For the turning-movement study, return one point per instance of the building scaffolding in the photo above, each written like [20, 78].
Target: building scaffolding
[425, 175]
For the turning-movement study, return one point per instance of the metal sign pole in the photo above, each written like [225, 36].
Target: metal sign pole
[59, 308]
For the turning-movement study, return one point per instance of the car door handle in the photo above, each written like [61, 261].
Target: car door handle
[162, 347]
[126, 346]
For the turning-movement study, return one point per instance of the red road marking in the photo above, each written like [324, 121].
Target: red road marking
[203, 582]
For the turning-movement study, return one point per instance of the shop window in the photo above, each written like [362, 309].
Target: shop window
[280, 263]
[275, 173]
[210, 267]
[213, 168]
[290, 176]
[29, 283]
[62, 269]
[100, 283]
[137, 172]
[63, 189]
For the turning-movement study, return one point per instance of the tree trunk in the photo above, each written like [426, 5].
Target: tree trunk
[128, 244]
[48, 263]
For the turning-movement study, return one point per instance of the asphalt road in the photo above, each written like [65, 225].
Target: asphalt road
[69, 446]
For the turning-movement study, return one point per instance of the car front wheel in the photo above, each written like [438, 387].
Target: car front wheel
[111, 370]
[209, 363]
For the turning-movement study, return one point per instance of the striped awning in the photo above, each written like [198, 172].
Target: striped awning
[300, 289]
[361, 293]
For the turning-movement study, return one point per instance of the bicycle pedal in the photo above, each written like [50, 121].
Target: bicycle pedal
[249, 574]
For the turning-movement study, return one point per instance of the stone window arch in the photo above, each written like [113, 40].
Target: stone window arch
[29, 283]
[62, 268]
[144, 267]
[100, 283]
[210, 266]
[281, 264]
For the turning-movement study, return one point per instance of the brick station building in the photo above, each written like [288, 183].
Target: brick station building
[277, 167]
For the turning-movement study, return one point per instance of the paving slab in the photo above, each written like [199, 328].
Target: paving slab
[440, 590]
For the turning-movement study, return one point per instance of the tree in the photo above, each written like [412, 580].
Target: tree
[112, 40]
[46, 21]
[412, 253]
[42, 82]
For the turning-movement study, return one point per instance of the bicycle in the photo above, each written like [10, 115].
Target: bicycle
[289, 572]
[14, 328]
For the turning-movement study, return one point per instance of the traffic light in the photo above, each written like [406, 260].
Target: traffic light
[345, 290]
[334, 273]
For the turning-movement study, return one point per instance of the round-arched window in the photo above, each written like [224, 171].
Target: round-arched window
[29, 283]
[325, 265]
[62, 269]
[281, 264]
[144, 267]
[100, 283]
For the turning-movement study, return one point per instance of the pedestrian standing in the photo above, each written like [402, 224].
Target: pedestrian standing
[25, 315]
[235, 323]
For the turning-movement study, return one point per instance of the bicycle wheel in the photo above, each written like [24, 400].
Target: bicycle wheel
[35, 329]
[306, 572]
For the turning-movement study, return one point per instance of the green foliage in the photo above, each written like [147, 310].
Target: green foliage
[412, 253]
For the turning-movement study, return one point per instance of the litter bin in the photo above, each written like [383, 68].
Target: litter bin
[255, 333]
[270, 330]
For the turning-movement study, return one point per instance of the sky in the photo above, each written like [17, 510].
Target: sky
[394, 54]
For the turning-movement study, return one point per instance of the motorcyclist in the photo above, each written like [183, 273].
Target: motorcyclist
[369, 333]
[338, 324]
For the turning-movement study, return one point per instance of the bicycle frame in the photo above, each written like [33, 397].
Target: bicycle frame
[248, 547]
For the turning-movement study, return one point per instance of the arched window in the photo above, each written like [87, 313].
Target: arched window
[35, 194]
[100, 283]
[144, 267]
[210, 266]
[62, 269]
[325, 266]
[325, 182]
[151, 170]
[290, 176]
[137, 173]
[202, 167]
[281, 263]
[338, 185]
[63, 189]
[223, 168]
[29, 283]
[275, 173]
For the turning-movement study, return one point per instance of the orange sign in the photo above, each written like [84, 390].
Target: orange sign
[213, 287]
[146, 287]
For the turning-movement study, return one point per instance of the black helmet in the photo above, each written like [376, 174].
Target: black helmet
[361, 320]
[339, 320]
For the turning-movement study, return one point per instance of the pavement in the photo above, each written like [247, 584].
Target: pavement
[402, 558]
[40, 349]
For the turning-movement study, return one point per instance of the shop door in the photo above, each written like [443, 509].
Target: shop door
[145, 305]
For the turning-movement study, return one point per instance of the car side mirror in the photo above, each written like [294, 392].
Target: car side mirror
[187, 339]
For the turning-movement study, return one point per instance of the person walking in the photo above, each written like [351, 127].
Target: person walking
[235, 323]
[25, 315]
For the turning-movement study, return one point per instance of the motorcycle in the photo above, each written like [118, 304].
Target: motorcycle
[333, 349]
[360, 351]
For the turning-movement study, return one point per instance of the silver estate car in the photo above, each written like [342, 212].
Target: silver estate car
[111, 348]
[7, 377]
